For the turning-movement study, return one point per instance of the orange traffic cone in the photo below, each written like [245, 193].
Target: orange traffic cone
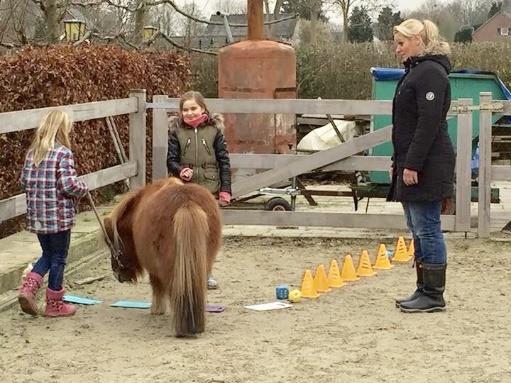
[364, 265]
[382, 259]
[320, 280]
[334, 276]
[308, 290]
[411, 249]
[348, 273]
[401, 253]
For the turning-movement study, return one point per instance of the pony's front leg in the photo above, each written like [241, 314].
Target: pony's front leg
[159, 304]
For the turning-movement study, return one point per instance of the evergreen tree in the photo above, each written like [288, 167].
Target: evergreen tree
[306, 9]
[386, 21]
[495, 8]
[359, 27]
[464, 35]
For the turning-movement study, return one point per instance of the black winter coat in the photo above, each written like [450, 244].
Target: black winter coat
[174, 165]
[419, 133]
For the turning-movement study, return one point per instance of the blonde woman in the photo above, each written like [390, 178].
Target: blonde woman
[50, 183]
[423, 158]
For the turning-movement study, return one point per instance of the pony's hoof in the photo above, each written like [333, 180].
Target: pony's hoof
[158, 311]
[212, 283]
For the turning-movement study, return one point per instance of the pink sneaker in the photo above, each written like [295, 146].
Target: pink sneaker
[27, 293]
[55, 306]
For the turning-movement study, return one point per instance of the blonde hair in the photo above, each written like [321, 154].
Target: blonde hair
[55, 126]
[428, 33]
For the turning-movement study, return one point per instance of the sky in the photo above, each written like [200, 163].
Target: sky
[402, 5]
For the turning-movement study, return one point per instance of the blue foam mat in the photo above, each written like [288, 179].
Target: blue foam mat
[81, 300]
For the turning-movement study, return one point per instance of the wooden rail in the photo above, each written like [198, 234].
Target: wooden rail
[134, 169]
[342, 157]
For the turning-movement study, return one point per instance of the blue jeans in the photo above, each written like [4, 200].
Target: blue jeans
[423, 220]
[55, 248]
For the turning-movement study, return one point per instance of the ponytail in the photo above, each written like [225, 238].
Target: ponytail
[428, 32]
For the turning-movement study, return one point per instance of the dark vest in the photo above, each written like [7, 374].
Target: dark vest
[198, 153]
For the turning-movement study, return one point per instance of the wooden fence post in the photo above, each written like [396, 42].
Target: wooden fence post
[463, 171]
[160, 138]
[484, 179]
[137, 134]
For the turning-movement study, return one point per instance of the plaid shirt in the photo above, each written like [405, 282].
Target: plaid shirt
[50, 189]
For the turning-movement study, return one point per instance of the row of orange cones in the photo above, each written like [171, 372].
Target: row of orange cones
[322, 283]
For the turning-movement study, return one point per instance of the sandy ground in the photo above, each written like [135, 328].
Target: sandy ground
[352, 334]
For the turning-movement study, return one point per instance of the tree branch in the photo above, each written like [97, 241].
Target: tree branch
[120, 37]
[176, 8]
[172, 42]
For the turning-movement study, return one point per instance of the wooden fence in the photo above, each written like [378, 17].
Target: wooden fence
[342, 157]
[283, 167]
[134, 169]
[487, 171]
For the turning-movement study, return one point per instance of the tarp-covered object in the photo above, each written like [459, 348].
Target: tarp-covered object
[325, 137]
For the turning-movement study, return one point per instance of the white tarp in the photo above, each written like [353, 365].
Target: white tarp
[325, 137]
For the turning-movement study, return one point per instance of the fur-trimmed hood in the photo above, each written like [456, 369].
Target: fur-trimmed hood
[215, 119]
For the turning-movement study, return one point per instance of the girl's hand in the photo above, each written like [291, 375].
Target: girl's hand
[186, 174]
[410, 177]
[224, 198]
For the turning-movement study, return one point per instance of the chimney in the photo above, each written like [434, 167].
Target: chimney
[255, 18]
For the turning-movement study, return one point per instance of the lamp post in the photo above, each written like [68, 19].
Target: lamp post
[75, 30]
[149, 32]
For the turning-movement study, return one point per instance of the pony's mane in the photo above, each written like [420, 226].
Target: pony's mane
[131, 198]
[117, 212]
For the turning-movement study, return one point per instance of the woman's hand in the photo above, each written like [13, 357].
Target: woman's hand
[410, 177]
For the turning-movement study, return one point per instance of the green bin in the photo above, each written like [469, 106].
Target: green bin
[463, 85]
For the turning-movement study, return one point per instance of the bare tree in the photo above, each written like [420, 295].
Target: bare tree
[346, 6]
[164, 18]
[451, 17]
[27, 21]
[468, 12]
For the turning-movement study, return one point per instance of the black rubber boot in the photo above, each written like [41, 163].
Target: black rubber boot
[432, 297]
[420, 285]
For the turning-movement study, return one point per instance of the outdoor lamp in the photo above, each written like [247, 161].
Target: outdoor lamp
[149, 32]
[75, 29]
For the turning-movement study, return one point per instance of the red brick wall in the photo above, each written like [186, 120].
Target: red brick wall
[490, 30]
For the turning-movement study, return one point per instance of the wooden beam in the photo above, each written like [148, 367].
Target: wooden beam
[137, 134]
[30, 119]
[507, 108]
[311, 162]
[270, 161]
[305, 107]
[463, 170]
[484, 178]
[287, 106]
[273, 218]
[16, 205]
[160, 139]
[501, 173]
[110, 175]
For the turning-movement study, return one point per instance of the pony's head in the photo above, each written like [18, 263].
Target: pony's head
[122, 251]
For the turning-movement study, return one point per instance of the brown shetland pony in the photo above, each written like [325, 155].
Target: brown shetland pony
[173, 232]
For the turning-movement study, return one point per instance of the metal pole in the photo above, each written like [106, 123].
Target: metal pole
[255, 19]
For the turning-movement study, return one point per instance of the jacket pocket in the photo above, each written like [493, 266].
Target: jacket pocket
[211, 173]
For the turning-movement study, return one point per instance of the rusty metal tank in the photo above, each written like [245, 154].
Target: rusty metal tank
[258, 68]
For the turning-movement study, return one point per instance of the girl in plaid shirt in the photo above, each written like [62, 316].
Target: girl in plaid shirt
[51, 185]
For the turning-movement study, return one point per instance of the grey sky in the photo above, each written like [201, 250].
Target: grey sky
[207, 6]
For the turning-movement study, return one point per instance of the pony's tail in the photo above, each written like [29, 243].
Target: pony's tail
[188, 286]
